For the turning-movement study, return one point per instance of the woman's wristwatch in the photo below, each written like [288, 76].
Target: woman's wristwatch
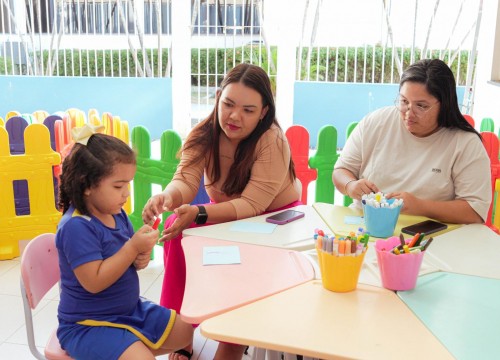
[202, 216]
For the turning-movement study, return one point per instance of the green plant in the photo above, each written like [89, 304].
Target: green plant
[373, 64]
[6, 66]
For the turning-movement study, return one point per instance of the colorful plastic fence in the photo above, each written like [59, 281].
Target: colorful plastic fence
[30, 164]
[151, 171]
[35, 167]
[30, 198]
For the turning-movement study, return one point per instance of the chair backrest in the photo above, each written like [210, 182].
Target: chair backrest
[487, 124]
[39, 273]
[470, 120]
[492, 145]
[323, 161]
[298, 139]
[39, 267]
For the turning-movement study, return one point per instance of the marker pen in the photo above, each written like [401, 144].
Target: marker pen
[427, 243]
[421, 237]
[335, 246]
[348, 247]
[359, 249]
[402, 239]
[341, 247]
[329, 245]
[365, 239]
[414, 240]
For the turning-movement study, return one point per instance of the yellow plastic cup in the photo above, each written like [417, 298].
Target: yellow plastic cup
[339, 273]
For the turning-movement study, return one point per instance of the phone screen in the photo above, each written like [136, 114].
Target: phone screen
[427, 227]
[285, 217]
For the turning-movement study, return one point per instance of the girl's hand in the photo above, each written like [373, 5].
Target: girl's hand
[411, 203]
[356, 189]
[185, 217]
[144, 239]
[156, 205]
[142, 260]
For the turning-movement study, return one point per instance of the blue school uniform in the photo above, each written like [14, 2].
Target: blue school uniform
[103, 325]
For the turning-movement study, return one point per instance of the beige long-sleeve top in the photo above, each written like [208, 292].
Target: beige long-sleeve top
[270, 186]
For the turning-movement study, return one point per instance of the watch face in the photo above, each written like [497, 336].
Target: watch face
[202, 216]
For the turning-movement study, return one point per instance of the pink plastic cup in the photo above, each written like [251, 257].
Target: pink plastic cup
[398, 272]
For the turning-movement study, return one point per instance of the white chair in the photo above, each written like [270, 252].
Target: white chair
[39, 273]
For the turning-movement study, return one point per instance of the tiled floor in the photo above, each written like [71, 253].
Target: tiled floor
[13, 340]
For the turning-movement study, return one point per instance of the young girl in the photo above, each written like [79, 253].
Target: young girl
[101, 315]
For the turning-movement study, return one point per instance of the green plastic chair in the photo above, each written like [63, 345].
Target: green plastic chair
[323, 161]
[487, 124]
[350, 128]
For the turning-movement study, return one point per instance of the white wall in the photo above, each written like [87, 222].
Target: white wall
[487, 96]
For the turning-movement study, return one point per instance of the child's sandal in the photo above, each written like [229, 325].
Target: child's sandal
[185, 353]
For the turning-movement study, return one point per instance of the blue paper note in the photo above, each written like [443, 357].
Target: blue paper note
[221, 255]
[253, 227]
[354, 220]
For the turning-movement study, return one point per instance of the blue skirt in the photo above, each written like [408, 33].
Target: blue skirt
[109, 338]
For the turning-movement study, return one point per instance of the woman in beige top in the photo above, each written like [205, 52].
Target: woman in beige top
[421, 150]
[245, 159]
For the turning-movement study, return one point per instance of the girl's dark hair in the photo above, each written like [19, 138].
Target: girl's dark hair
[86, 165]
[205, 135]
[440, 83]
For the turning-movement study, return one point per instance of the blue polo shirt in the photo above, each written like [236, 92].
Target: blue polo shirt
[81, 239]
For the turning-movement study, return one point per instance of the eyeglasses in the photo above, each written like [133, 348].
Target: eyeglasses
[419, 110]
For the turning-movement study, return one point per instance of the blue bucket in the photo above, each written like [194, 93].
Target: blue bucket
[381, 222]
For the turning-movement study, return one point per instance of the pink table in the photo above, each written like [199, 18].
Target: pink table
[215, 289]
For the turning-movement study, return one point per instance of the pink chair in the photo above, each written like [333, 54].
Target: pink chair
[39, 273]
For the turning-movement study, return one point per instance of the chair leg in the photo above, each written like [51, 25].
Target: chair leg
[273, 355]
[258, 354]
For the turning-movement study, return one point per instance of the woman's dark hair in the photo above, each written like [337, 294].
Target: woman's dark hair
[86, 165]
[440, 83]
[205, 135]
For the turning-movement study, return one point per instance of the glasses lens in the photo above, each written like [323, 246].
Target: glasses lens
[403, 106]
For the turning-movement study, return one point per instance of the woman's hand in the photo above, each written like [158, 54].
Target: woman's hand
[185, 217]
[357, 188]
[156, 205]
[411, 203]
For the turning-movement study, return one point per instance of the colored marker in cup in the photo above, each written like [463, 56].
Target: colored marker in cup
[156, 223]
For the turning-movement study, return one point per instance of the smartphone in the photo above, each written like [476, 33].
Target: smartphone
[427, 227]
[285, 217]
